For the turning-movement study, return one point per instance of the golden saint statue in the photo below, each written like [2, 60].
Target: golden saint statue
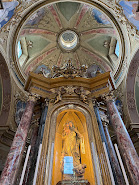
[71, 141]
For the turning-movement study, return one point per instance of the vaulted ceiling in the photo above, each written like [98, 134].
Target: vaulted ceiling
[98, 38]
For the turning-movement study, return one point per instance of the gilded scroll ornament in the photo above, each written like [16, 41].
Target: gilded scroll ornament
[69, 71]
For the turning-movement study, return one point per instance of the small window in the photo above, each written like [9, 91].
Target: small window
[117, 49]
[19, 49]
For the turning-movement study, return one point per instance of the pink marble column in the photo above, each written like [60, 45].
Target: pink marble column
[115, 163]
[12, 164]
[124, 141]
[32, 153]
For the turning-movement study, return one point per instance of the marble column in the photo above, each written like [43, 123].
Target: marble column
[114, 159]
[103, 137]
[14, 158]
[32, 153]
[124, 141]
[38, 142]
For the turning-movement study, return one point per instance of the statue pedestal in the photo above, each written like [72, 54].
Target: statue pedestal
[75, 182]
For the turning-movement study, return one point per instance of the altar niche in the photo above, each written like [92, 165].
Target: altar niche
[72, 148]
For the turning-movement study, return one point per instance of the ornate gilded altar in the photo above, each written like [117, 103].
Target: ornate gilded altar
[70, 96]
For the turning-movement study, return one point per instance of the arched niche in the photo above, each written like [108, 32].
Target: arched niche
[130, 84]
[94, 143]
[79, 121]
[82, 118]
[5, 91]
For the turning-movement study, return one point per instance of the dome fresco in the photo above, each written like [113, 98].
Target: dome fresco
[67, 30]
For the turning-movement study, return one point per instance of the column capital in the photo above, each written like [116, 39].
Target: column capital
[94, 101]
[33, 97]
[108, 97]
[105, 123]
[46, 102]
[104, 119]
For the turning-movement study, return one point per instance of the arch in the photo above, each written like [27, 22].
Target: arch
[79, 121]
[6, 91]
[130, 84]
[50, 130]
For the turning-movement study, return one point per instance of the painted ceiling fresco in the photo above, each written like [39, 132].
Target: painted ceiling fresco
[7, 12]
[40, 34]
[130, 11]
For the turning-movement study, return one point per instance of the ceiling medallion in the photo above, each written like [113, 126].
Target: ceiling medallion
[68, 40]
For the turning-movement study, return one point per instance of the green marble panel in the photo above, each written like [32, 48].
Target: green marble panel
[68, 9]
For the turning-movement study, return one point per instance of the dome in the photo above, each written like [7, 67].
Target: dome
[53, 33]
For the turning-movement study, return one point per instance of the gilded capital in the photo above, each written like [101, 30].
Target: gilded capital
[108, 97]
[105, 121]
[46, 102]
[94, 101]
[33, 97]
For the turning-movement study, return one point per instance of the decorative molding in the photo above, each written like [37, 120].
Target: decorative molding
[6, 88]
[80, 91]
[29, 44]
[130, 84]
[131, 100]
[83, 94]
[3, 69]
[19, 95]
[118, 93]
[133, 68]
[6, 105]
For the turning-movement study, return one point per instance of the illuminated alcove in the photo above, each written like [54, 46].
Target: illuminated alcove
[79, 122]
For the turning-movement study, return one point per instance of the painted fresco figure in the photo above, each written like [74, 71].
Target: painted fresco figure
[72, 139]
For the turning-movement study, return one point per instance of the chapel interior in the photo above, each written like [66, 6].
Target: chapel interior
[69, 92]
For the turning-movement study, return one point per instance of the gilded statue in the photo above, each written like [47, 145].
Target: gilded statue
[72, 139]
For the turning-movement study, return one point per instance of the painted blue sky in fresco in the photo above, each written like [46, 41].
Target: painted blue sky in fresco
[7, 12]
[36, 17]
[100, 18]
[130, 11]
